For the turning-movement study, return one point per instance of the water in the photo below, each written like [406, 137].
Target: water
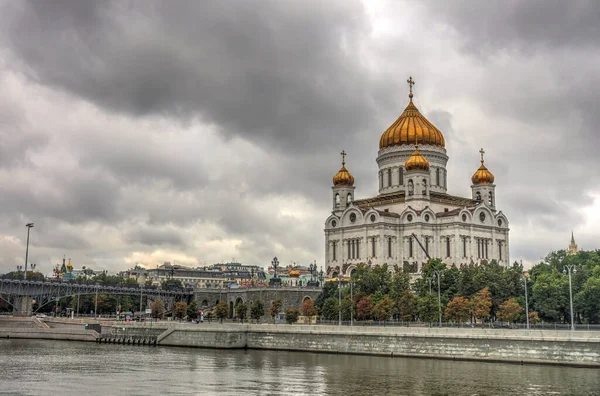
[36, 367]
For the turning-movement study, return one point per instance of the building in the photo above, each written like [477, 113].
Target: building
[572, 249]
[413, 208]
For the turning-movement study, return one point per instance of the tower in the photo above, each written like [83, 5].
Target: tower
[417, 177]
[343, 188]
[572, 250]
[483, 188]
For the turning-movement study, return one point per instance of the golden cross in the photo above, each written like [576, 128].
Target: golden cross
[410, 82]
[343, 153]
[481, 152]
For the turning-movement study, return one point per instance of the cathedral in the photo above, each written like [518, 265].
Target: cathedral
[413, 218]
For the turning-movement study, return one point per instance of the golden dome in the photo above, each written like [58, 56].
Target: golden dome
[416, 161]
[483, 175]
[294, 273]
[411, 126]
[343, 177]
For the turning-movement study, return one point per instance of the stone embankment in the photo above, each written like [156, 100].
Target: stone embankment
[579, 348]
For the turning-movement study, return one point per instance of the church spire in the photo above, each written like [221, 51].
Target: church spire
[572, 246]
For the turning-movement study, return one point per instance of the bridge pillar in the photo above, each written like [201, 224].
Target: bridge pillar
[23, 304]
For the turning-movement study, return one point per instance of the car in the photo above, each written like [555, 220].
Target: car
[40, 315]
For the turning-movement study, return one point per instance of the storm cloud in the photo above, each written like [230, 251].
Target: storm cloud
[198, 132]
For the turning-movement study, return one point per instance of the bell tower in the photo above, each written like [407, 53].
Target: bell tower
[343, 188]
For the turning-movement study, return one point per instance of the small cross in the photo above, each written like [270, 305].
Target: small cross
[481, 152]
[343, 153]
[410, 82]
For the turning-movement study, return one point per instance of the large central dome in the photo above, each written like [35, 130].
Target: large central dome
[411, 127]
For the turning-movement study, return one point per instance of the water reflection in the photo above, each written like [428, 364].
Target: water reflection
[70, 368]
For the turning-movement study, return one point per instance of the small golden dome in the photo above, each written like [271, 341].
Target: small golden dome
[483, 175]
[294, 273]
[416, 161]
[411, 126]
[343, 177]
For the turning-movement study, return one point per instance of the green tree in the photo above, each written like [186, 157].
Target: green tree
[509, 310]
[276, 308]
[180, 309]
[257, 310]
[458, 309]
[192, 310]
[221, 311]
[330, 309]
[370, 279]
[427, 308]
[291, 315]
[242, 311]
[550, 293]
[330, 289]
[588, 299]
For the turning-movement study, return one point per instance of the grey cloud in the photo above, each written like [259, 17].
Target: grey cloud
[155, 236]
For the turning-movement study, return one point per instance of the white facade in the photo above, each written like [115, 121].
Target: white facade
[380, 230]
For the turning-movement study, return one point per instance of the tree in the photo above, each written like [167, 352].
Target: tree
[291, 315]
[330, 309]
[172, 284]
[221, 311]
[180, 309]
[276, 307]
[309, 310]
[364, 306]
[407, 306]
[158, 308]
[509, 310]
[257, 310]
[192, 310]
[427, 308]
[242, 311]
[458, 309]
[481, 304]
[550, 293]
[383, 309]
[209, 316]
[534, 317]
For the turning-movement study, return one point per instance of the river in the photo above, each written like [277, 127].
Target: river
[36, 367]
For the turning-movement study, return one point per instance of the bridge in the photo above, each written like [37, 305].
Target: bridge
[22, 292]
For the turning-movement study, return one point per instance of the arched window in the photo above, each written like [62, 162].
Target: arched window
[337, 199]
[349, 198]
[427, 245]
[424, 186]
[380, 180]
[389, 177]
[437, 176]
[373, 247]
[410, 247]
[411, 187]
[448, 247]
[478, 196]
[491, 199]
[401, 176]
[389, 247]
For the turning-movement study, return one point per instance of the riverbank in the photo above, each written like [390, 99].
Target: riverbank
[493, 345]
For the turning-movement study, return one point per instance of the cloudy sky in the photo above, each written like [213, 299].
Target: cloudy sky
[199, 132]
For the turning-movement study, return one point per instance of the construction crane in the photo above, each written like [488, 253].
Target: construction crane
[419, 242]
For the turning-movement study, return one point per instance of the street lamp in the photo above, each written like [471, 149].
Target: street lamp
[29, 226]
[570, 269]
[526, 301]
[321, 276]
[438, 274]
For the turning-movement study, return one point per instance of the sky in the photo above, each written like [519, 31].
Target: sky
[202, 132]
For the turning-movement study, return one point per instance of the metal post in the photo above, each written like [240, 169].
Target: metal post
[439, 298]
[526, 302]
[96, 304]
[77, 304]
[570, 269]
[339, 302]
[352, 306]
[141, 290]
[28, 225]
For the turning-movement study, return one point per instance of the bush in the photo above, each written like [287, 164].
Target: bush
[291, 315]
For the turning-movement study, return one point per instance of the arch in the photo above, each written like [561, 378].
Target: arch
[424, 186]
[238, 300]
[491, 198]
[204, 304]
[478, 196]
[348, 198]
[389, 174]
[306, 298]
[334, 274]
[337, 199]
[231, 307]
[437, 177]
[411, 187]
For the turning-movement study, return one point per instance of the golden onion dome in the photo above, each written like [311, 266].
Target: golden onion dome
[343, 177]
[482, 175]
[411, 126]
[416, 161]
[294, 273]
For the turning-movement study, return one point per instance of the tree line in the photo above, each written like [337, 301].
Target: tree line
[482, 293]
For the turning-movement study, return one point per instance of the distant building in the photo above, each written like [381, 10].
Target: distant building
[572, 249]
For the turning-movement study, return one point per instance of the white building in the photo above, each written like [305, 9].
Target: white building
[413, 202]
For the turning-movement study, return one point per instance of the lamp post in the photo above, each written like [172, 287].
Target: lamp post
[29, 226]
[19, 269]
[141, 291]
[570, 269]
[351, 304]
[339, 300]
[96, 303]
[321, 276]
[438, 274]
[526, 301]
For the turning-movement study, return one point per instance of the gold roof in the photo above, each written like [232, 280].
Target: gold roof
[483, 175]
[410, 126]
[416, 161]
[343, 177]
[294, 273]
